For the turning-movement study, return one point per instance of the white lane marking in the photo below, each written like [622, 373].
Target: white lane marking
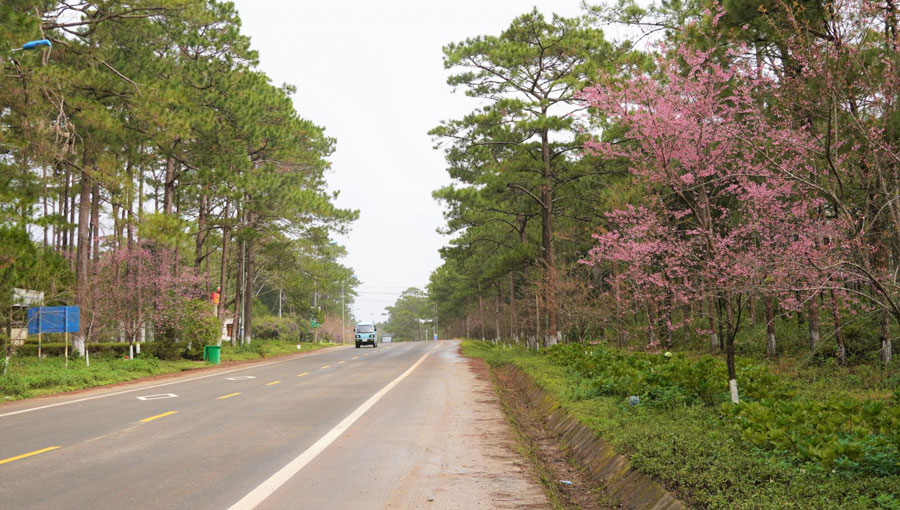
[158, 396]
[216, 374]
[241, 378]
[265, 489]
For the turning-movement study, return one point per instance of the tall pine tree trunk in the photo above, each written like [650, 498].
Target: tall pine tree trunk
[64, 210]
[248, 287]
[44, 200]
[481, 313]
[74, 228]
[223, 269]
[129, 223]
[95, 222]
[239, 286]
[82, 254]
[547, 239]
[497, 315]
[513, 319]
[202, 229]
[117, 224]
[169, 186]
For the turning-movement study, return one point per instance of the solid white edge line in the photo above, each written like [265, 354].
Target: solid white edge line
[30, 409]
[274, 482]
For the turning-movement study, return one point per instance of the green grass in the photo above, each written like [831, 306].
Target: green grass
[267, 348]
[696, 449]
[29, 377]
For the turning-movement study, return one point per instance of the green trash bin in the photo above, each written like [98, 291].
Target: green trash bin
[212, 353]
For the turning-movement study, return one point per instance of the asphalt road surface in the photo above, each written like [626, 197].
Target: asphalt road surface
[406, 425]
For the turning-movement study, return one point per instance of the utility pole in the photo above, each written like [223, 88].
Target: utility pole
[279, 303]
[342, 311]
[435, 321]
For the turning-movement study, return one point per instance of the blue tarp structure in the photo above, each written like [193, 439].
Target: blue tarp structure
[53, 319]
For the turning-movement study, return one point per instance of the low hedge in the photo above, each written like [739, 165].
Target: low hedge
[58, 349]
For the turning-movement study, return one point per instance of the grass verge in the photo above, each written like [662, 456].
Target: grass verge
[29, 377]
[695, 449]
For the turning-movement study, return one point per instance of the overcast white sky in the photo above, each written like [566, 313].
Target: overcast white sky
[371, 73]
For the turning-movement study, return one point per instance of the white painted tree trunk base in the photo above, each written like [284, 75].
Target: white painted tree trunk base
[732, 385]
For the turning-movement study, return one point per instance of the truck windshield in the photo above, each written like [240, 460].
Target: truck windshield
[365, 328]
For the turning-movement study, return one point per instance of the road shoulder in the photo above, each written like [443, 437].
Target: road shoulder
[439, 440]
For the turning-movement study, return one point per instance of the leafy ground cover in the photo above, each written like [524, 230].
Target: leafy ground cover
[27, 377]
[782, 447]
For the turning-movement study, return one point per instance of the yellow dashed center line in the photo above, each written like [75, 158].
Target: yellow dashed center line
[24, 455]
[145, 420]
[339, 362]
[366, 354]
[273, 383]
[326, 366]
[229, 395]
[304, 373]
[355, 357]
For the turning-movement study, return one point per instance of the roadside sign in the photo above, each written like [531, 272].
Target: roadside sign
[53, 319]
[25, 297]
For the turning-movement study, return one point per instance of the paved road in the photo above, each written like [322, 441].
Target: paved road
[400, 426]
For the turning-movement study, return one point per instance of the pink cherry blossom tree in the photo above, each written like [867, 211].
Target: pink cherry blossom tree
[840, 79]
[135, 287]
[723, 219]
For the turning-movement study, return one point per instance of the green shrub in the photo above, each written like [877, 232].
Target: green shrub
[165, 348]
[183, 331]
[280, 328]
[199, 327]
[58, 349]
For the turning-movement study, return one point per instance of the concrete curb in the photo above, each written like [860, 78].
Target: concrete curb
[613, 471]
